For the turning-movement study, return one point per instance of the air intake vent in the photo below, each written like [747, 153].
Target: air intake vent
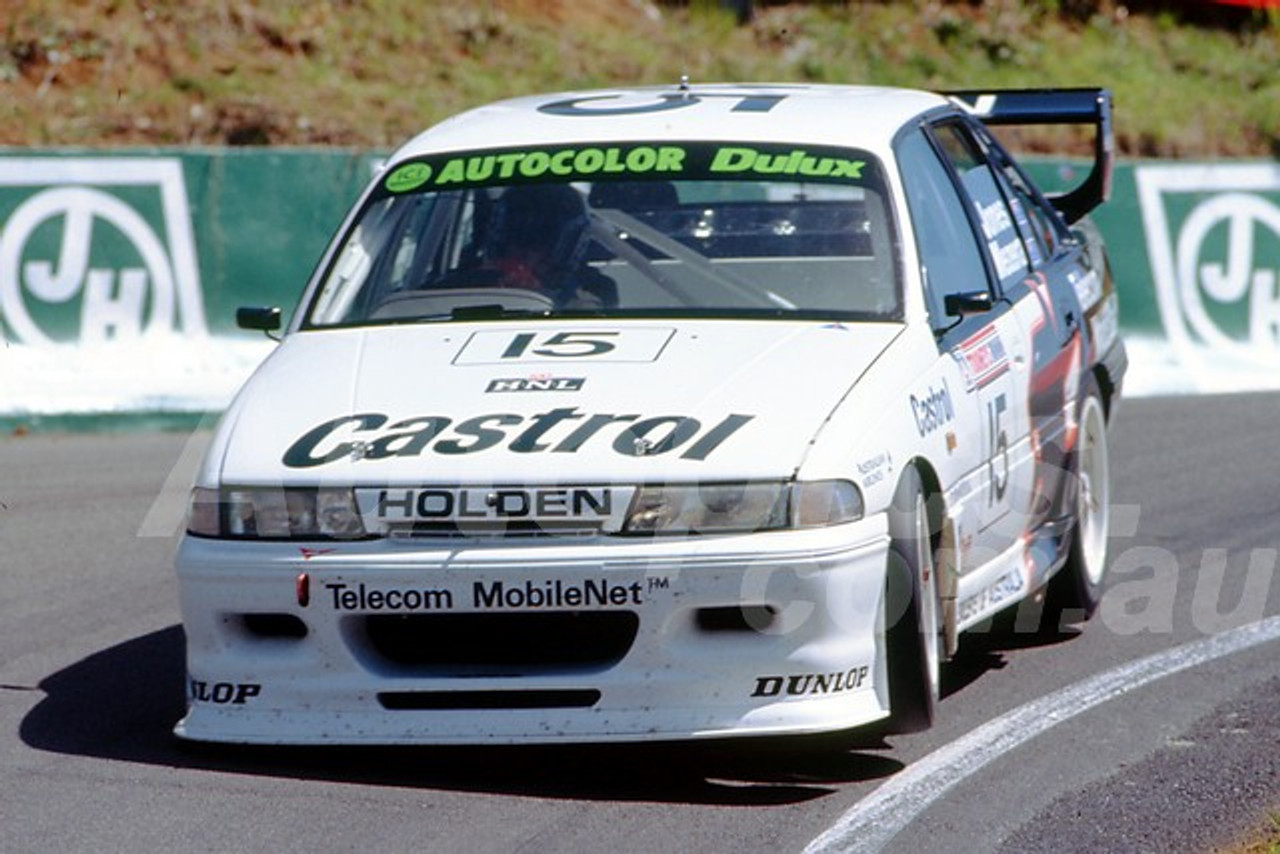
[421, 701]
[510, 644]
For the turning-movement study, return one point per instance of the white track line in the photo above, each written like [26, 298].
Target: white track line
[877, 818]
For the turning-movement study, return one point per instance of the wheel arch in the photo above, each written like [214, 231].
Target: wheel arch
[946, 548]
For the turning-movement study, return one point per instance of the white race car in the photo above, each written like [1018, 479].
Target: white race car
[668, 414]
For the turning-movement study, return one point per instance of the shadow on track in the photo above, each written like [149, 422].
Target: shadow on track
[982, 649]
[121, 704]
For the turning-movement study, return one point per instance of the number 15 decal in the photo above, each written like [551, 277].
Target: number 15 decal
[524, 346]
[998, 456]
[561, 345]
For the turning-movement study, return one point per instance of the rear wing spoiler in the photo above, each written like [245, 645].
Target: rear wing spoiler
[1054, 107]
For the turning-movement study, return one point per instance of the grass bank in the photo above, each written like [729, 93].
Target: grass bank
[369, 73]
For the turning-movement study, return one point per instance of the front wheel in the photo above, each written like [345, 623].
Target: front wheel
[913, 634]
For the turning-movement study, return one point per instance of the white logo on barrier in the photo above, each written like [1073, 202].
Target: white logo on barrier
[154, 285]
[1213, 236]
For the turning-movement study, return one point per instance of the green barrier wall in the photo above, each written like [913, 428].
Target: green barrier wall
[109, 248]
[1195, 249]
[265, 220]
[98, 246]
[1120, 221]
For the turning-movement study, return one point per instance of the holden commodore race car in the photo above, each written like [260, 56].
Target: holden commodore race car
[662, 413]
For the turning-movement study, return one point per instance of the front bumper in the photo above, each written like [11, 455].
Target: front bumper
[420, 642]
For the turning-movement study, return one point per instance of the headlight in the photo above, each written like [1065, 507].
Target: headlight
[825, 502]
[278, 514]
[719, 508]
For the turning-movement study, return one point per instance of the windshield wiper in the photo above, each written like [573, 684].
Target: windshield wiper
[494, 311]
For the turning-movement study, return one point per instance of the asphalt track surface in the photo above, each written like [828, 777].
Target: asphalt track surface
[1154, 727]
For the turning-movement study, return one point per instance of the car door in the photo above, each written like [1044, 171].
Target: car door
[1034, 263]
[1053, 319]
[978, 327]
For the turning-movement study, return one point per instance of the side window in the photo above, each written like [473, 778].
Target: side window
[948, 252]
[1038, 239]
[1040, 224]
[998, 221]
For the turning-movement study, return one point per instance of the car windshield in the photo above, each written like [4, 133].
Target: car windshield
[661, 229]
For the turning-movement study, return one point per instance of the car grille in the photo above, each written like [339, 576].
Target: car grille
[508, 644]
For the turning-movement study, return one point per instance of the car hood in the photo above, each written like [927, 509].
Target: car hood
[502, 402]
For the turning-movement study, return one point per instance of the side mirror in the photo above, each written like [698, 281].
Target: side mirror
[971, 302]
[259, 319]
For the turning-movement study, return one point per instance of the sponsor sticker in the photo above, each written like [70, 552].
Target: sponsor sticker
[537, 382]
[983, 358]
[635, 103]
[535, 346]
[799, 163]
[600, 593]
[222, 693]
[1213, 237]
[411, 176]
[875, 469]
[368, 598]
[96, 249]
[642, 160]
[371, 436]
[594, 506]
[932, 409]
[1004, 589]
[575, 163]
[812, 684]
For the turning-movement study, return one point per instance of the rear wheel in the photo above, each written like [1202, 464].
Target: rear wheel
[913, 634]
[1077, 588]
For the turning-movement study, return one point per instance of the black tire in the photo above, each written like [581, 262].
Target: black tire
[912, 617]
[1075, 591]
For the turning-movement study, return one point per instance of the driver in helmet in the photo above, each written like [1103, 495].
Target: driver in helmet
[541, 246]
